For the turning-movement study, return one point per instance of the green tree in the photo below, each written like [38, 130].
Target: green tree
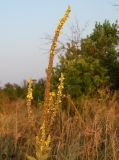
[9, 91]
[93, 64]
[103, 44]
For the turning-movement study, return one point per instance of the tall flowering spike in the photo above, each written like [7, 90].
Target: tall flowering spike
[58, 30]
[29, 97]
[51, 58]
[29, 94]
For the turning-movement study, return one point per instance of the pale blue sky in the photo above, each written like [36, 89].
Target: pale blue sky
[23, 24]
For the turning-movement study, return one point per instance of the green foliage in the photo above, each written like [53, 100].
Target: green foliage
[14, 91]
[103, 44]
[104, 38]
[83, 75]
[9, 90]
[92, 65]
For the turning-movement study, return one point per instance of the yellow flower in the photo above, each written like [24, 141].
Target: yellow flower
[52, 94]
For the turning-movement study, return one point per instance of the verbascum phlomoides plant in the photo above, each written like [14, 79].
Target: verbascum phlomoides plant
[29, 100]
[43, 139]
[51, 58]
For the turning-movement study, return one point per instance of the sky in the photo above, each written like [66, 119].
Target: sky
[26, 24]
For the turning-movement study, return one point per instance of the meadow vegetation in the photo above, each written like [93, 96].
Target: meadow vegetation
[73, 114]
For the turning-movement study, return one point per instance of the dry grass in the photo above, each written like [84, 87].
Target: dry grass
[16, 133]
[92, 133]
[89, 131]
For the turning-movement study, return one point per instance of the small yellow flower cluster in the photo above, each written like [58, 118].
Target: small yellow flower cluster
[29, 94]
[52, 94]
[58, 29]
[60, 88]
